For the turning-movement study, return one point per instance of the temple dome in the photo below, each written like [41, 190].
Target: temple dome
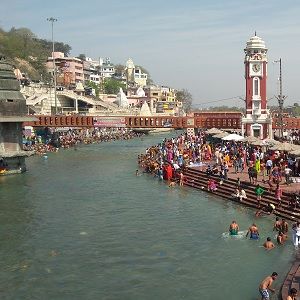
[130, 64]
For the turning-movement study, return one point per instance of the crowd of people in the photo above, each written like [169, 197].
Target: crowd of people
[51, 141]
[268, 170]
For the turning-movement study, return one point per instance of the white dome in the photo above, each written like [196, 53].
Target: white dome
[256, 42]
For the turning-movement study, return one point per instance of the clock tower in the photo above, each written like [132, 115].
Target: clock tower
[257, 121]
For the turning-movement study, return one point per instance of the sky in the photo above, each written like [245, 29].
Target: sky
[196, 45]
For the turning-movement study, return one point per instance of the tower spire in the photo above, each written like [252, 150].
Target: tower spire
[255, 33]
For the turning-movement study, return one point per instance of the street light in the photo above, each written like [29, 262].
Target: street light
[52, 20]
[280, 99]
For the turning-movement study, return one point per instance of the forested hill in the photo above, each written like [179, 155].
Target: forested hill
[28, 52]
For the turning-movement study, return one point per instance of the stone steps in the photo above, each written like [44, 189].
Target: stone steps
[198, 179]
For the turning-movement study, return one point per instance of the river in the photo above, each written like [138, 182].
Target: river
[81, 225]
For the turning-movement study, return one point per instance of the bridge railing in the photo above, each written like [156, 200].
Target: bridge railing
[62, 121]
[151, 121]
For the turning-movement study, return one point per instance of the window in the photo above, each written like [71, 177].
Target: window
[256, 86]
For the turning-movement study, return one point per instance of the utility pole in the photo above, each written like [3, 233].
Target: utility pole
[52, 20]
[280, 99]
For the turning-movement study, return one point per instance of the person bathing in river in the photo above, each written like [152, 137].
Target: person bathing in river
[234, 228]
[268, 209]
[281, 238]
[265, 285]
[268, 244]
[253, 230]
[181, 178]
[284, 226]
[277, 225]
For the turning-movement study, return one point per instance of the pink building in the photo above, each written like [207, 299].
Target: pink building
[69, 70]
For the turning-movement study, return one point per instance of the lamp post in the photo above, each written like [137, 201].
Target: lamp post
[280, 99]
[52, 20]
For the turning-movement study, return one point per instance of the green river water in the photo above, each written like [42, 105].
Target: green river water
[81, 225]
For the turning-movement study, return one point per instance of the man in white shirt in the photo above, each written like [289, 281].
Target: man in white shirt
[269, 165]
[287, 174]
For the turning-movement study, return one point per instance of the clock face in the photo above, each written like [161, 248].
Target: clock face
[256, 68]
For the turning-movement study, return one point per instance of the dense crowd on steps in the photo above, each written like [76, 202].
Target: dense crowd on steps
[53, 141]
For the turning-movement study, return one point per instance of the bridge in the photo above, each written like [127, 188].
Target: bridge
[223, 121]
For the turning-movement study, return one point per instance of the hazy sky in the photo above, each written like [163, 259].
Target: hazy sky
[192, 44]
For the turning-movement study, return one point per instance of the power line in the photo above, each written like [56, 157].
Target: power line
[224, 99]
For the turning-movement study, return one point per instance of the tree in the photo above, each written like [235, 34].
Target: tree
[112, 86]
[94, 86]
[82, 56]
[58, 46]
[27, 52]
[186, 98]
[119, 70]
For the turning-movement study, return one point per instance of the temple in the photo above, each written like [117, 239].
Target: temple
[13, 113]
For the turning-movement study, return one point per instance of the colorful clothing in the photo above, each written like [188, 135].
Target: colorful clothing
[254, 236]
[233, 231]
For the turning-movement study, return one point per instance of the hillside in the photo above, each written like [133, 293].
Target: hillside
[28, 52]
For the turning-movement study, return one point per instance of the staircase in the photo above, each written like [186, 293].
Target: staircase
[198, 179]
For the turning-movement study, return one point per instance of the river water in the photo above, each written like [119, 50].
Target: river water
[81, 225]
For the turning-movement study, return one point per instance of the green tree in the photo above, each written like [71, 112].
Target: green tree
[186, 98]
[119, 69]
[82, 56]
[94, 86]
[112, 86]
[58, 46]
[27, 52]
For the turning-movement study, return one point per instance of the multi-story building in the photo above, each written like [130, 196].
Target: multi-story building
[69, 70]
[134, 75]
[107, 69]
[91, 71]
